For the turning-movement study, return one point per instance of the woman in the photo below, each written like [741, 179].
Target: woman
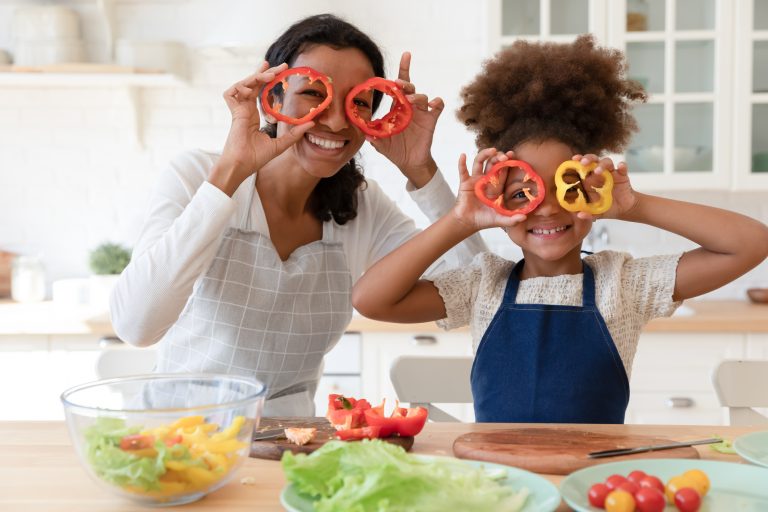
[246, 262]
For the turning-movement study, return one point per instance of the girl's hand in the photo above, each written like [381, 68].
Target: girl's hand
[624, 198]
[411, 149]
[247, 149]
[469, 209]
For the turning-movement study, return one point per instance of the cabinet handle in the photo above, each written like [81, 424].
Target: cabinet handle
[109, 341]
[424, 339]
[679, 402]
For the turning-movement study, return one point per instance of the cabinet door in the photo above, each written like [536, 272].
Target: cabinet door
[672, 377]
[751, 70]
[381, 349]
[678, 50]
[550, 20]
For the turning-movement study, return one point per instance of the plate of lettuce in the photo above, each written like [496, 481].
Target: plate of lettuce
[372, 475]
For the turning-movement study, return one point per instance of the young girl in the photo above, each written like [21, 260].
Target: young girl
[246, 261]
[554, 335]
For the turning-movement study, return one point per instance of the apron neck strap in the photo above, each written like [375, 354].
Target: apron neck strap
[587, 287]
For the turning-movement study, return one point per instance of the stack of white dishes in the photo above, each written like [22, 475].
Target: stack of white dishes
[47, 34]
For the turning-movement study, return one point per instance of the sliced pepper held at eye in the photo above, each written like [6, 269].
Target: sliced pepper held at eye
[492, 178]
[394, 122]
[581, 203]
[282, 79]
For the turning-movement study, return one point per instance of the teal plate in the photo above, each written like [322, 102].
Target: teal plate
[734, 487]
[543, 495]
[753, 447]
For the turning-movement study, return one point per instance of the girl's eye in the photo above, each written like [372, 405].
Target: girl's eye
[519, 195]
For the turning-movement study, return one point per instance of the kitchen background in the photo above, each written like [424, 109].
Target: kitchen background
[79, 157]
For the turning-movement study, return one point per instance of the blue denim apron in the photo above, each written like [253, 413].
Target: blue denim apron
[548, 364]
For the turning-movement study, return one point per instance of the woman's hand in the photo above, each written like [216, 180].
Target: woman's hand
[247, 149]
[411, 149]
[469, 209]
[624, 198]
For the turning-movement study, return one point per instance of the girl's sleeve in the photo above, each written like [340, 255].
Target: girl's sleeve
[458, 288]
[651, 283]
[185, 223]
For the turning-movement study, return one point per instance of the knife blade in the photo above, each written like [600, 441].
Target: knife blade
[273, 433]
[650, 448]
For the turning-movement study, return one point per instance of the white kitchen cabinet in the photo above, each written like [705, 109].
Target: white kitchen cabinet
[671, 379]
[380, 349]
[341, 372]
[705, 66]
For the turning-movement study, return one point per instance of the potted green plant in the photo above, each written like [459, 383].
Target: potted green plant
[106, 262]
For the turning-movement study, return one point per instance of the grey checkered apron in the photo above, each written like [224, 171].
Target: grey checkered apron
[253, 314]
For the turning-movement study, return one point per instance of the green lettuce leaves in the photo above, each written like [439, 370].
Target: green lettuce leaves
[372, 475]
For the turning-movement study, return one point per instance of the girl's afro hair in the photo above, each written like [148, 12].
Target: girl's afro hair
[575, 93]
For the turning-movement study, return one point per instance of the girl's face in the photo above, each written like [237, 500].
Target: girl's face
[550, 233]
[333, 141]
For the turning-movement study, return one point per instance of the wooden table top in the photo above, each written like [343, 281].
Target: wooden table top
[39, 470]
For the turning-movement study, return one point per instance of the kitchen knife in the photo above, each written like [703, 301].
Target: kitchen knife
[273, 433]
[651, 448]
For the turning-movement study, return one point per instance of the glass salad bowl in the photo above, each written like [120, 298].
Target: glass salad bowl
[164, 439]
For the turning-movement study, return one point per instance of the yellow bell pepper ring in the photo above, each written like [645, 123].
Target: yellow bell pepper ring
[582, 203]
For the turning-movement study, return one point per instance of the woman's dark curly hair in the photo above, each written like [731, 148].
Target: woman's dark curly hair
[575, 93]
[336, 196]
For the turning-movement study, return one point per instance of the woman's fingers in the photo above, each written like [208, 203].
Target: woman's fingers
[404, 72]
[293, 135]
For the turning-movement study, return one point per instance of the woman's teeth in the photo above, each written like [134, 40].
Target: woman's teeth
[325, 143]
[536, 231]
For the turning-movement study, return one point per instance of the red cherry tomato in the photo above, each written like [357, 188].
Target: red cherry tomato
[597, 494]
[650, 499]
[629, 486]
[687, 500]
[614, 481]
[636, 476]
[653, 482]
[619, 501]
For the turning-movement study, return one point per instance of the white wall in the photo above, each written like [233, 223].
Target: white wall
[71, 175]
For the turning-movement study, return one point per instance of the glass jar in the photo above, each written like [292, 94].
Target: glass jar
[27, 279]
[637, 15]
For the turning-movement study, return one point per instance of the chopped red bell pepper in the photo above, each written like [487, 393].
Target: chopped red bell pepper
[346, 412]
[394, 122]
[579, 202]
[282, 78]
[403, 421]
[137, 442]
[492, 177]
[355, 434]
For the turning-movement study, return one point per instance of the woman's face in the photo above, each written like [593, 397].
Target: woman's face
[333, 141]
[550, 233]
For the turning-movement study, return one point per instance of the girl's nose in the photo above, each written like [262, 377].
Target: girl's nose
[549, 206]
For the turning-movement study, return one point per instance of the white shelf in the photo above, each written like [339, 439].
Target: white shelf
[85, 75]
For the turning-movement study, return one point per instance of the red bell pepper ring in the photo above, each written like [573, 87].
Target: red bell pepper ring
[356, 434]
[346, 413]
[492, 177]
[395, 121]
[282, 78]
[137, 442]
[403, 421]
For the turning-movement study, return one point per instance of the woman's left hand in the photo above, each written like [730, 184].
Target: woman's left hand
[624, 198]
[411, 149]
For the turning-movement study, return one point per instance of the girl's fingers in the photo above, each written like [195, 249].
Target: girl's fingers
[585, 216]
[510, 154]
[480, 158]
[577, 158]
[588, 159]
[622, 168]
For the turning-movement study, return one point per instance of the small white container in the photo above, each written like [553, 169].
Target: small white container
[44, 53]
[27, 279]
[168, 56]
[45, 22]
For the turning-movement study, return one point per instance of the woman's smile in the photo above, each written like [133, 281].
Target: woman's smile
[326, 144]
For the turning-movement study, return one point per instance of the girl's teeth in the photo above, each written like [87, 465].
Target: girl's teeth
[325, 143]
[548, 231]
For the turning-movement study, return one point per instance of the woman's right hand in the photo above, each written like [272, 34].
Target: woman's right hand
[247, 149]
[469, 209]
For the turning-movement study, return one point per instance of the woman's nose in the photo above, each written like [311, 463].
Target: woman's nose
[334, 117]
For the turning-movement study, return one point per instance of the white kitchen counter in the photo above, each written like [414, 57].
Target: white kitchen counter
[705, 316]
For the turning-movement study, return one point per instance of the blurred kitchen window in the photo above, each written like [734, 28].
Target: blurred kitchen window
[693, 136]
[646, 151]
[760, 138]
[760, 67]
[695, 14]
[569, 16]
[761, 14]
[646, 65]
[694, 66]
[645, 15]
[520, 17]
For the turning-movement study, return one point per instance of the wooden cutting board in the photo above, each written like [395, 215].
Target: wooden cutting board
[556, 452]
[273, 449]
